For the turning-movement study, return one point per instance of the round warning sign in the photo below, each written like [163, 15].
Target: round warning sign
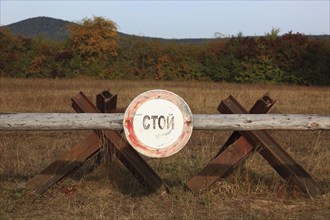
[158, 123]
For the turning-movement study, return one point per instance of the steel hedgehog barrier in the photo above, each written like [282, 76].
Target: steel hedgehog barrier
[158, 124]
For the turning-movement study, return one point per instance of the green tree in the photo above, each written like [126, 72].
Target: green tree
[273, 34]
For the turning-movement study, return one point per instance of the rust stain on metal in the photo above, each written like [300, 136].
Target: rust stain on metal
[124, 151]
[220, 166]
[233, 152]
[69, 161]
[76, 156]
[276, 156]
[263, 143]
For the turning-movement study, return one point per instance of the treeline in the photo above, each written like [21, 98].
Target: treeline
[292, 58]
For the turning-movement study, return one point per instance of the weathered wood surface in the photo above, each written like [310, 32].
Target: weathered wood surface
[99, 121]
[244, 122]
[61, 121]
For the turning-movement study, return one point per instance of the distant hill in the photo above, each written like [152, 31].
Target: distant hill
[45, 27]
[56, 29]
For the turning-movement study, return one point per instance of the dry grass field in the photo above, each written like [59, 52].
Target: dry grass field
[253, 191]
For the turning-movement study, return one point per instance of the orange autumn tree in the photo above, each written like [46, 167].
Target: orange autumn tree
[95, 42]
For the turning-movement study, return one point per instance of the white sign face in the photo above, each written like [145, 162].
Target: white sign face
[158, 123]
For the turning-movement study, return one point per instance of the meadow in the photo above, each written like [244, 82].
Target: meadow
[109, 191]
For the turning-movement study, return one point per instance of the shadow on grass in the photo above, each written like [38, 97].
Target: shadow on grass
[115, 173]
[14, 176]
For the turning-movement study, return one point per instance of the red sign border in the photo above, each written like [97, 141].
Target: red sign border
[166, 151]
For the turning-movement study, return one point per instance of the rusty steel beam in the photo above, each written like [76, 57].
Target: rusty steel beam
[125, 152]
[233, 152]
[262, 106]
[75, 157]
[276, 156]
[106, 102]
[66, 163]
[219, 166]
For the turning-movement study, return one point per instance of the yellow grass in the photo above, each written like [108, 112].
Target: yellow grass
[254, 190]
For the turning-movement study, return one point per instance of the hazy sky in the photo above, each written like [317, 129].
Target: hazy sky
[183, 19]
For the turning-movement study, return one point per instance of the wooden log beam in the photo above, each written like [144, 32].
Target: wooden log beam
[245, 122]
[99, 121]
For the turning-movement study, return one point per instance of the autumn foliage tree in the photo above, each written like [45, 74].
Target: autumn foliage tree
[15, 53]
[95, 42]
[95, 49]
